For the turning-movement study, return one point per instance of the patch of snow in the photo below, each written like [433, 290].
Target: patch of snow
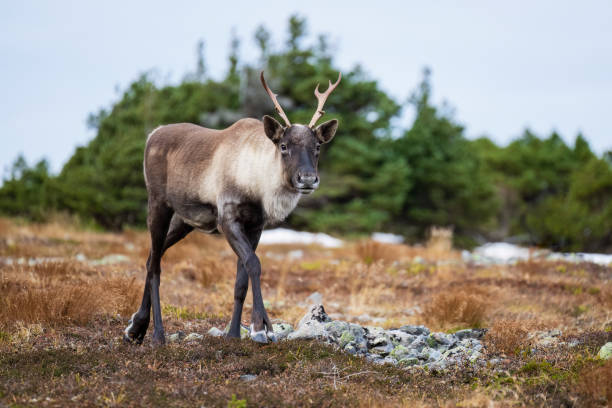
[501, 252]
[387, 238]
[287, 236]
[505, 253]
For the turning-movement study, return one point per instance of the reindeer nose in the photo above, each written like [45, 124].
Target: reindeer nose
[307, 179]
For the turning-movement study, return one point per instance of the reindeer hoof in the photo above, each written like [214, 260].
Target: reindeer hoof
[262, 336]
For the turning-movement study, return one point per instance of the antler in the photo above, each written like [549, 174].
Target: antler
[273, 97]
[322, 97]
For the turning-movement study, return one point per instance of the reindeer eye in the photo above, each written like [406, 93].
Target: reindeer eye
[317, 148]
[283, 147]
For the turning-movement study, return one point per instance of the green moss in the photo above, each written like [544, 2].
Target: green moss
[183, 313]
[236, 403]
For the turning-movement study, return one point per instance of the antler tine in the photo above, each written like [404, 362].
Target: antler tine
[273, 97]
[322, 97]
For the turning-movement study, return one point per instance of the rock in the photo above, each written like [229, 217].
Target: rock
[336, 328]
[80, 257]
[216, 332]
[415, 330]
[400, 337]
[382, 350]
[346, 338]
[605, 352]
[444, 339]
[401, 353]
[410, 361]
[470, 334]
[316, 313]
[349, 348]
[175, 337]
[194, 337]
[248, 377]
[282, 330]
[315, 298]
[311, 326]
[419, 343]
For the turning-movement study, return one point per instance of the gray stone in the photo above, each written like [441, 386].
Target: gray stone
[315, 313]
[382, 350]
[415, 330]
[346, 338]
[605, 352]
[401, 353]
[349, 348]
[409, 361]
[400, 337]
[194, 337]
[470, 334]
[336, 328]
[419, 343]
[175, 337]
[248, 377]
[282, 330]
[443, 339]
[312, 325]
[216, 332]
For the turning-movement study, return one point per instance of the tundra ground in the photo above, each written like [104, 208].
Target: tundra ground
[66, 295]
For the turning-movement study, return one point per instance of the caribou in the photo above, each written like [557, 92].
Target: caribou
[235, 181]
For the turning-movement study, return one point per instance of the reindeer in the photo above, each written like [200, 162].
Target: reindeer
[235, 181]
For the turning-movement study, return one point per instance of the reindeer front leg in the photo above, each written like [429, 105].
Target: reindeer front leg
[244, 243]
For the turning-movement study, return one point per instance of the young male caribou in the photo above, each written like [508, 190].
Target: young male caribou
[235, 181]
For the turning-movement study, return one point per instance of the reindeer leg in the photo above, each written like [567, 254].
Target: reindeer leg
[139, 322]
[239, 241]
[242, 285]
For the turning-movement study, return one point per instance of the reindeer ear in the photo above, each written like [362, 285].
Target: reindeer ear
[273, 129]
[325, 131]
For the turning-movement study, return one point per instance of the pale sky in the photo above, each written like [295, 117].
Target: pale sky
[503, 66]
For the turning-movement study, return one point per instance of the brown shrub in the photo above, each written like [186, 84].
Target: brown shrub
[597, 382]
[508, 336]
[207, 271]
[466, 307]
[123, 295]
[62, 304]
[370, 251]
[58, 302]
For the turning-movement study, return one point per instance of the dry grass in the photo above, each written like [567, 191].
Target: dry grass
[369, 251]
[508, 337]
[466, 307]
[62, 304]
[596, 383]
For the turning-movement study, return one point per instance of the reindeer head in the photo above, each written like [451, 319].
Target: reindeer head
[299, 145]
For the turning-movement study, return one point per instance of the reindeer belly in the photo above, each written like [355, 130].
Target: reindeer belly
[199, 215]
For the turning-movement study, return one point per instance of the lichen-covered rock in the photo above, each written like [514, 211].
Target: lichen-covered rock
[215, 332]
[605, 352]
[407, 346]
[282, 330]
[175, 337]
[470, 334]
[346, 338]
[194, 337]
[400, 337]
[401, 353]
[415, 330]
[312, 325]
